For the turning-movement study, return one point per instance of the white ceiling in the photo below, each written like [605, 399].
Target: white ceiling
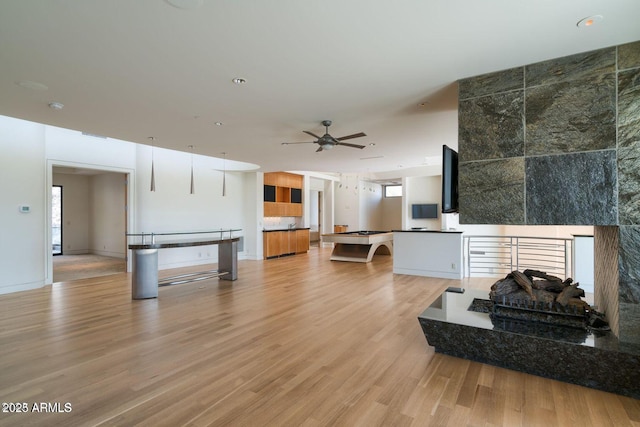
[134, 69]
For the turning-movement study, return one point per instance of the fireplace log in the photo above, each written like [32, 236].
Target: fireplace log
[549, 285]
[582, 305]
[503, 287]
[571, 291]
[545, 296]
[524, 282]
[541, 275]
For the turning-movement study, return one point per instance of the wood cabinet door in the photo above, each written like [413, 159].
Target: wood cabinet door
[302, 238]
[271, 209]
[271, 178]
[293, 242]
[295, 209]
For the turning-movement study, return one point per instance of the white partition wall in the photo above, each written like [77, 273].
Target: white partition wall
[427, 253]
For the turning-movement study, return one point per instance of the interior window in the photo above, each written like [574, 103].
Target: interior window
[393, 191]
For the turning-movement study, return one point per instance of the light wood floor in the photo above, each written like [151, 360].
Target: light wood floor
[74, 267]
[299, 341]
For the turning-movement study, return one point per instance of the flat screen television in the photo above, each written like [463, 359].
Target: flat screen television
[429, 211]
[449, 180]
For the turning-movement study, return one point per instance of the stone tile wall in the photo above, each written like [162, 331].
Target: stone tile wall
[558, 143]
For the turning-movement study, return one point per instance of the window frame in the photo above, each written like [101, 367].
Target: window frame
[392, 186]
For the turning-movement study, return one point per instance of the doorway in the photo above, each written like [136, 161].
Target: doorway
[88, 225]
[315, 215]
[56, 220]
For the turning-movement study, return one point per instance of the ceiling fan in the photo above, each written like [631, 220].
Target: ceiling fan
[326, 141]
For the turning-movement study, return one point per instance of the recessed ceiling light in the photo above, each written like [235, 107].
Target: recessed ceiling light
[372, 144]
[589, 21]
[27, 84]
[239, 80]
[56, 105]
[185, 4]
[218, 123]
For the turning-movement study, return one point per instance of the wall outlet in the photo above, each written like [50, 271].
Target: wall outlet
[453, 265]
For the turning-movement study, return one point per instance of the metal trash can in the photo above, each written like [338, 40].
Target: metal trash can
[144, 281]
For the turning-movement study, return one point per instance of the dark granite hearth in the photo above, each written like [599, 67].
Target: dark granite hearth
[596, 360]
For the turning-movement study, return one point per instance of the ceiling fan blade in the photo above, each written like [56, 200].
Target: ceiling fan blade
[290, 143]
[355, 135]
[346, 144]
[311, 133]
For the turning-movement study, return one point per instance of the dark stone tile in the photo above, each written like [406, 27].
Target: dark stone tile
[571, 116]
[629, 55]
[491, 127]
[628, 107]
[492, 192]
[571, 67]
[572, 189]
[629, 323]
[629, 185]
[629, 264]
[492, 83]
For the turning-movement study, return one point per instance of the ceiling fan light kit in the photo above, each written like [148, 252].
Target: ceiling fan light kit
[327, 142]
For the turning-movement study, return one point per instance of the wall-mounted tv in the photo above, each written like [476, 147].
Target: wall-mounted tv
[429, 211]
[449, 180]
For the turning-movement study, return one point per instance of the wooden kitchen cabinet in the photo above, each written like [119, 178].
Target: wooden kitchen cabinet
[302, 238]
[283, 194]
[281, 243]
[273, 243]
[340, 228]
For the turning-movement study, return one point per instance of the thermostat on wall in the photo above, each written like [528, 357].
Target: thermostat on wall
[24, 208]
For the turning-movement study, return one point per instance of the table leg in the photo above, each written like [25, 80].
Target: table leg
[228, 260]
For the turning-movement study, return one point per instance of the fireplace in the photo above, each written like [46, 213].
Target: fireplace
[595, 359]
[558, 143]
[554, 143]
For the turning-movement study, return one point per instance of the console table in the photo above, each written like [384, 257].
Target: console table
[144, 282]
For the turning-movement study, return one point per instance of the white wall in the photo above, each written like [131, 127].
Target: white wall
[370, 206]
[28, 153]
[421, 190]
[75, 212]
[358, 204]
[108, 215]
[347, 203]
[171, 208]
[22, 245]
[391, 213]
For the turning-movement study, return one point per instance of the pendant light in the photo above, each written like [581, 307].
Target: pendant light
[153, 176]
[192, 191]
[224, 174]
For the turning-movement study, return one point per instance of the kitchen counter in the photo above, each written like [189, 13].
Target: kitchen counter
[286, 229]
[426, 230]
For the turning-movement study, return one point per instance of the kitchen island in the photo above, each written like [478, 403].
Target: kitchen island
[359, 246]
